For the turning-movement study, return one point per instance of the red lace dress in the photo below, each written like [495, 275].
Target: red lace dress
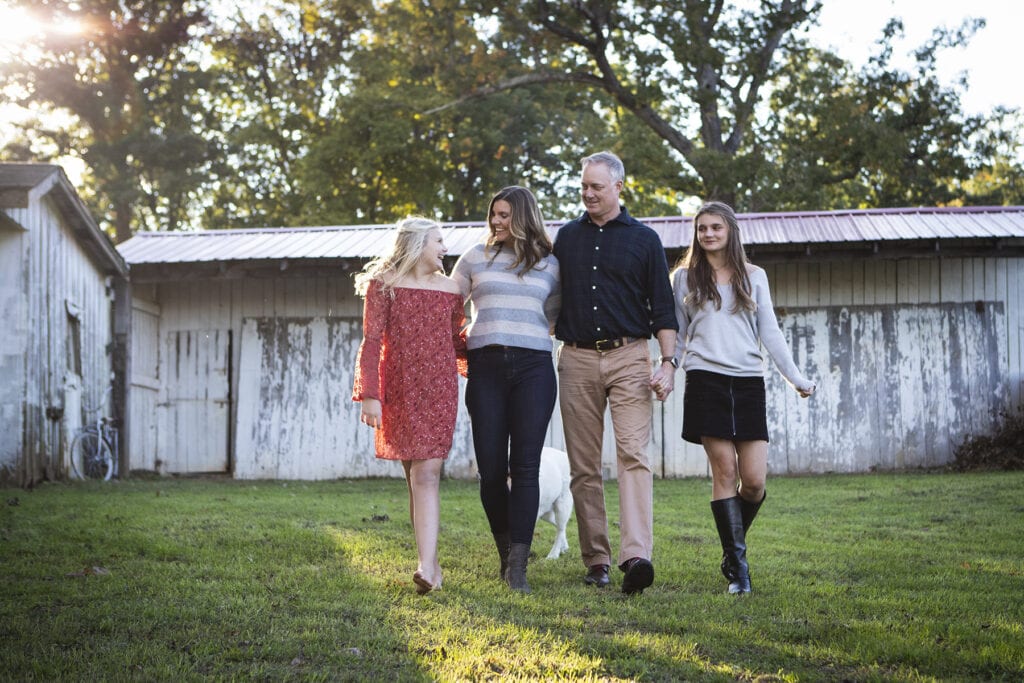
[412, 349]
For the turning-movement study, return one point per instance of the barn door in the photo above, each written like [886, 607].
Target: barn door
[194, 434]
[145, 389]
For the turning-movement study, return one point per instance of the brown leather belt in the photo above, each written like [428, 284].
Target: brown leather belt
[603, 344]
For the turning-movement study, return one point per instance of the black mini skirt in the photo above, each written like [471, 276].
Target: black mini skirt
[724, 406]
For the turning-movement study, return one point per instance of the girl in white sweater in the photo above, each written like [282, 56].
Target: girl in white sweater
[725, 318]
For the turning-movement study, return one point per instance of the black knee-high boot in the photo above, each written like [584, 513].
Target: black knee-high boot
[502, 542]
[749, 513]
[728, 515]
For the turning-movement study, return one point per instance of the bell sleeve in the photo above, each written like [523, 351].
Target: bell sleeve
[369, 378]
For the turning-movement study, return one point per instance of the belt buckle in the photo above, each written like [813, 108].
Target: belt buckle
[603, 345]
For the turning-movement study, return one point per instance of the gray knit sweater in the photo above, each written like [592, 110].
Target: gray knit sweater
[731, 343]
[507, 309]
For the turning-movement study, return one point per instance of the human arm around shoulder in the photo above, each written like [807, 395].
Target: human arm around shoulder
[462, 274]
[553, 304]
[459, 339]
[771, 335]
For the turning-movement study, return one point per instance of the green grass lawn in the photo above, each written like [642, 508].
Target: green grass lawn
[862, 577]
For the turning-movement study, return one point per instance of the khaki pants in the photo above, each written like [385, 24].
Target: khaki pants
[588, 381]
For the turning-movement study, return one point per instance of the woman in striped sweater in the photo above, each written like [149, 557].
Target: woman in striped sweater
[512, 282]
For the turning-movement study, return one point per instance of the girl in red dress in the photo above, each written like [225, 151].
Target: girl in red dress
[406, 372]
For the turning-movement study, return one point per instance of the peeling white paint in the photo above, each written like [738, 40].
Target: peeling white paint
[906, 361]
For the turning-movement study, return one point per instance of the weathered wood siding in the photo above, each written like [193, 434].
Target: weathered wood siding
[13, 339]
[297, 336]
[62, 320]
[145, 385]
[911, 357]
[296, 419]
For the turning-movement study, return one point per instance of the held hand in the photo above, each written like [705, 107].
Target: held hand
[804, 393]
[371, 414]
[663, 381]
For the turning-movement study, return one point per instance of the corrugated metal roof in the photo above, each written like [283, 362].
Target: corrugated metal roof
[366, 241]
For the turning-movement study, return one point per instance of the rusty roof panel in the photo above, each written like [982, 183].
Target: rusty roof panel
[367, 241]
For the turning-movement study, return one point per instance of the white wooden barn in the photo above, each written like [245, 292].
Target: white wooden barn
[62, 339]
[243, 343]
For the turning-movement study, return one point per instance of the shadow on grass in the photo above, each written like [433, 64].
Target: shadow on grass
[860, 578]
[221, 579]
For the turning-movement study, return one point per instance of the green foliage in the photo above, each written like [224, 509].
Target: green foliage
[765, 121]
[902, 577]
[129, 83]
[277, 74]
[201, 114]
[876, 138]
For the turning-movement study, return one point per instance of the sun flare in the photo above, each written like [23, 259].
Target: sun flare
[18, 28]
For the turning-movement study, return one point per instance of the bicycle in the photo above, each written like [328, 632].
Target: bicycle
[94, 447]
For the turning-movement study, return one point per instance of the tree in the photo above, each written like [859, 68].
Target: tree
[689, 70]
[699, 75]
[277, 76]
[879, 137]
[354, 111]
[389, 148]
[128, 84]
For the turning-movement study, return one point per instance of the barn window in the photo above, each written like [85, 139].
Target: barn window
[74, 346]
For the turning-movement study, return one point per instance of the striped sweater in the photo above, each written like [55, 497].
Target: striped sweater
[506, 309]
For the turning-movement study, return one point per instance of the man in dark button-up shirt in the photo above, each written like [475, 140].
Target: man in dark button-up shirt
[616, 294]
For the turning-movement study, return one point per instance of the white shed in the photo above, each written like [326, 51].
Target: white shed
[61, 341]
[244, 343]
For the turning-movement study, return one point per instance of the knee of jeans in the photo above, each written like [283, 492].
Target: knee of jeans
[490, 478]
[523, 476]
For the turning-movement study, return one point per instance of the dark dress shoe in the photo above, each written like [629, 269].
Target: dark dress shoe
[639, 575]
[597, 576]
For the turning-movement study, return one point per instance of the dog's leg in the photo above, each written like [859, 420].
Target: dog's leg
[561, 511]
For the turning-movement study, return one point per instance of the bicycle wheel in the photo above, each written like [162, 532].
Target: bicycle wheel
[91, 456]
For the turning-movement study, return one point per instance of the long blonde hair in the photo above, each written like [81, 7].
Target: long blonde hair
[410, 239]
[530, 241]
[700, 276]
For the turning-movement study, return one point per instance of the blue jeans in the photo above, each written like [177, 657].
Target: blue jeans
[510, 395]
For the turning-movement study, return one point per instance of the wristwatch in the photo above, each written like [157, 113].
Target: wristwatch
[670, 359]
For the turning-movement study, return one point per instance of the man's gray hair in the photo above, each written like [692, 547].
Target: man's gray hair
[610, 161]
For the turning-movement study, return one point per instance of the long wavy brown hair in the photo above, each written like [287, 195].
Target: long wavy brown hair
[530, 240]
[700, 276]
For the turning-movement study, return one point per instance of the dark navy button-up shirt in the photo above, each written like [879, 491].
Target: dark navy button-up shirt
[614, 281]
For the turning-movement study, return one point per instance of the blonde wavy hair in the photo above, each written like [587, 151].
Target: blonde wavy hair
[411, 237]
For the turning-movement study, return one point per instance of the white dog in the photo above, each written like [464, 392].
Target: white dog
[555, 497]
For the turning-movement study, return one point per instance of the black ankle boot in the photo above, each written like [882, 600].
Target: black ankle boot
[729, 520]
[749, 513]
[501, 541]
[518, 556]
